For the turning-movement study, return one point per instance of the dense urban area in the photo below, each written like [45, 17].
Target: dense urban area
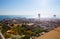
[23, 28]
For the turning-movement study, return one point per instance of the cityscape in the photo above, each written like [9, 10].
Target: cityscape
[29, 19]
[19, 28]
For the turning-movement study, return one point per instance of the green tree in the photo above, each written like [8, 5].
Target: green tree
[5, 28]
[37, 31]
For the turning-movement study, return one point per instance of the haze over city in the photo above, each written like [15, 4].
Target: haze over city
[29, 19]
[47, 8]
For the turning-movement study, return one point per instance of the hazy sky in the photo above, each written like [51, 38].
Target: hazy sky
[46, 8]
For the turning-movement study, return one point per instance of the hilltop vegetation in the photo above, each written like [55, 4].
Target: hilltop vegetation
[22, 31]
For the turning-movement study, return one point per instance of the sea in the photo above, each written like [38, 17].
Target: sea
[21, 16]
[15, 16]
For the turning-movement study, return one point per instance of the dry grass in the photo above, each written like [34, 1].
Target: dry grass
[54, 34]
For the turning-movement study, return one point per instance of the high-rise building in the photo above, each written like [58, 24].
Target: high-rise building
[54, 16]
[39, 16]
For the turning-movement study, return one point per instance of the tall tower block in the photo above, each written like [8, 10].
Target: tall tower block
[39, 16]
[54, 16]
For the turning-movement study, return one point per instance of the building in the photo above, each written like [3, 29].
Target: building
[39, 16]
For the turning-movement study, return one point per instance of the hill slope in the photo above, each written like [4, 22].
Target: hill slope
[54, 34]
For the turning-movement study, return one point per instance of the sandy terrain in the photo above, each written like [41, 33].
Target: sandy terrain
[54, 34]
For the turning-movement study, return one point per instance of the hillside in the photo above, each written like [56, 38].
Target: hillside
[54, 34]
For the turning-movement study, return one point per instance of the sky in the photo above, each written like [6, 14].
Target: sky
[46, 8]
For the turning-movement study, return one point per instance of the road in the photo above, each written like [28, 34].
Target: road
[1, 36]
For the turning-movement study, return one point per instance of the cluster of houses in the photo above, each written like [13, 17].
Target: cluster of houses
[45, 24]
